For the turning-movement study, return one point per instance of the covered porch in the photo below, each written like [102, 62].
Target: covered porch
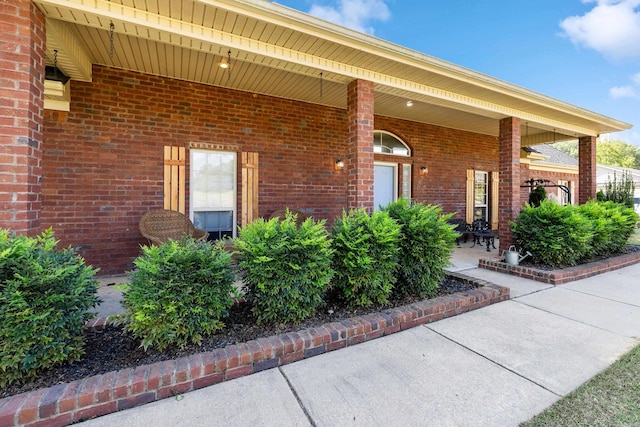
[149, 119]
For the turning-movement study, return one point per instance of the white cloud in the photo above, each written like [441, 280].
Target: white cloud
[354, 14]
[623, 92]
[628, 91]
[612, 28]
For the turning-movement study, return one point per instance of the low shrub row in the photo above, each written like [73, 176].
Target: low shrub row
[560, 236]
[181, 291]
[287, 270]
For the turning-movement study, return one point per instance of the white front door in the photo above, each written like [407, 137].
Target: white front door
[213, 192]
[384, 184]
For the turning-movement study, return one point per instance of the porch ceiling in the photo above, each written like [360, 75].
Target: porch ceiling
[280, 52]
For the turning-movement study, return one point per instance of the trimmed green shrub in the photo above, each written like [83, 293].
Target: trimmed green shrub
[603, 228]
[556, 236]
[626, 220]
[426, 244]
[613, 224]
[45, 295]
[179, 292]
[365, 256]
[286, 269]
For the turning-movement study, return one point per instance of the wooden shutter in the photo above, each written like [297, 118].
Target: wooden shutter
[471, 188]
[249, 165]
[174, 178]
[495, 207]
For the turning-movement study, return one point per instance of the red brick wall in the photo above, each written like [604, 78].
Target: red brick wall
[359, 164]
[447, 153]
[103, 161]
[587, 165]
[22, 63]
[103, 164]
[510, 179]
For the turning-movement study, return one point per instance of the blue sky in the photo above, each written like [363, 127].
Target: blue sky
[585, 52]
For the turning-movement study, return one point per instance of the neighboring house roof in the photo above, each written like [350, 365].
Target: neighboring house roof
[604, 173]
[552, 155]
[281, 52]
[556, 158]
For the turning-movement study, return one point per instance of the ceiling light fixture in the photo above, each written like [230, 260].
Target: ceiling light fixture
[226, 63]
[409, 103]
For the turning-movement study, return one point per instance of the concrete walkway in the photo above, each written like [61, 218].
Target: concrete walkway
[496, 366]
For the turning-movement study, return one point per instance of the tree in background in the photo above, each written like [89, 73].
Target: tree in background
[608, 152]
[569, 147]
[618, 153]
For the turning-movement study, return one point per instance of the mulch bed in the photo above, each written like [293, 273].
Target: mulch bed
[112, 349]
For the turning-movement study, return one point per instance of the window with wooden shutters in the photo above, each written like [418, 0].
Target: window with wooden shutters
[212, 190]
[482, 197]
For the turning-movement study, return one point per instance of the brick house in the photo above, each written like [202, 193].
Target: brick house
[150, 119]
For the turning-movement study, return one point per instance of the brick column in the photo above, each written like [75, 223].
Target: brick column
[586, 169]
[22, 62]
[509, 188]
[359, 162]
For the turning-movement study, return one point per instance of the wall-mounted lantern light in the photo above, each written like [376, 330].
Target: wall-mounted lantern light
[339, 164]
[424, 170]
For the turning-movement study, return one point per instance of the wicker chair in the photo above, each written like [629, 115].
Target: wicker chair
[280, 213]
[161, 225]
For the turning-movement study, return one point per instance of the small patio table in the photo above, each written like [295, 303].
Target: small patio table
[482, 234]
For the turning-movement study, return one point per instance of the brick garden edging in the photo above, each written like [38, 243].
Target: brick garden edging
[558, 277]
[90, 397]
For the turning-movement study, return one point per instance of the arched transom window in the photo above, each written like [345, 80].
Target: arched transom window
[387, 143]
[392, 177]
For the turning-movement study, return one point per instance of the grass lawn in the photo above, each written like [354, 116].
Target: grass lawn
[612, 398]
[635, 237]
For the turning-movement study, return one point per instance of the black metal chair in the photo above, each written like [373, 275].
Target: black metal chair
[482, 234]
[463, 228]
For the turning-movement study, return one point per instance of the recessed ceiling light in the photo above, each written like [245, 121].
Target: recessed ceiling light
[409, 103]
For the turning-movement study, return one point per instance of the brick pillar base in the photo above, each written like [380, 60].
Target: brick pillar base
[359, 164]
[22, 68]
[509, 188]
[586, 169]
